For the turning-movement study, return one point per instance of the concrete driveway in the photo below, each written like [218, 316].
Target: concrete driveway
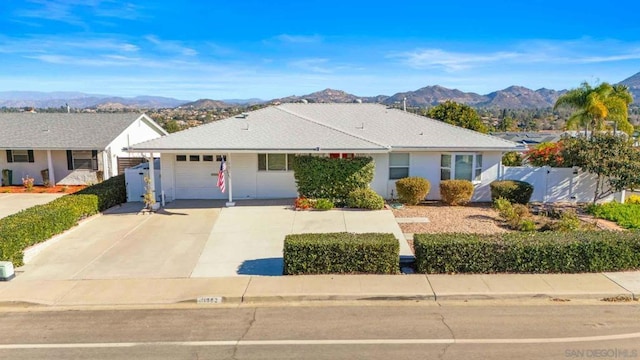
[192, 238]
[122, 243]
[248, 239]
[13, 203]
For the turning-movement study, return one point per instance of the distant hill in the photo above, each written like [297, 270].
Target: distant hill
[324, 96]
[79, 100]
[433, 95]
[633, 83]
[207, 104]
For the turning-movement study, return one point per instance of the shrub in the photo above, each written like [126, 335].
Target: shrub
[546, 252]
[515, 191]
[456, 192]
[39, 223]
[412, 190]
[341, 253]
[110, 193]
[365, 199]
[512, 158]
[302, 203]
[329, 178]
[324, 204]
[513, 214]
[625, 215]
[633, 199]
[527, 225]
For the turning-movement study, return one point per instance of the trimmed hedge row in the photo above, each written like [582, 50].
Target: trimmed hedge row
[516, 191]
[546, 252]
[41, 222]
[341, 253]
[110, 192]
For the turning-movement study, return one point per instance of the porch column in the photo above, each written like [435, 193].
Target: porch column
[152, 176]
[52, 176]
[229, 182]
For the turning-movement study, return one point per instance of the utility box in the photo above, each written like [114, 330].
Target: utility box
[6, 271]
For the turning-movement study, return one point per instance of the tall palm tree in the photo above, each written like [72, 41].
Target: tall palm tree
[596, 105]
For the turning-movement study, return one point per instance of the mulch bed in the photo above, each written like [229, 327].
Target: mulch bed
[38, 189]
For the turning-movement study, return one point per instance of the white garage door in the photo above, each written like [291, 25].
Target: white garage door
[196, 177]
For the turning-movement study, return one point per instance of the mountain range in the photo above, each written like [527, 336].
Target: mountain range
[513, 97]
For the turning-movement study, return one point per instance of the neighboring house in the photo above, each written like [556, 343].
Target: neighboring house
[259, 146]
[530, 138]
[75, 148]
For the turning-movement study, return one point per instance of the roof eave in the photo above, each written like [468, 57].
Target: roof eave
[258, 150]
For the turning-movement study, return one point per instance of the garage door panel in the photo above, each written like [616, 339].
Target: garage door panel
[197, 180]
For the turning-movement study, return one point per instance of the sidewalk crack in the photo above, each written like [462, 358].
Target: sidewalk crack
[237, 345]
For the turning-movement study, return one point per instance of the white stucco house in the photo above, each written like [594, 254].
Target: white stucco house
[75, 148]
[259, 145]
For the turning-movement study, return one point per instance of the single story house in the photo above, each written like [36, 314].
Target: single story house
[258, 147]
[75, 148]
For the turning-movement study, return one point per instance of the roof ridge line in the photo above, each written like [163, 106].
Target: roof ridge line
[331, 127]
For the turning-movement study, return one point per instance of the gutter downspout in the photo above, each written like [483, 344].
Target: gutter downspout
[229, 203]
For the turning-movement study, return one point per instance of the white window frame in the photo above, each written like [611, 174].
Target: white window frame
[407, 166]
[476, 166]
[287, 162]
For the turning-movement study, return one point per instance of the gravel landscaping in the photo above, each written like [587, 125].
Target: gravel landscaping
[478, 218]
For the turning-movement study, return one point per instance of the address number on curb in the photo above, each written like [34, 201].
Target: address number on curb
[209, 300]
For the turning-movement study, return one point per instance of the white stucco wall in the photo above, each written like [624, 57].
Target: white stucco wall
[21, 170]
[139, 131]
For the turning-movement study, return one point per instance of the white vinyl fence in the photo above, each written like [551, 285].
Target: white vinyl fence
[557, 184]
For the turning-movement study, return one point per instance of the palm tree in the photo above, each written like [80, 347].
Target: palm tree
[595, 105]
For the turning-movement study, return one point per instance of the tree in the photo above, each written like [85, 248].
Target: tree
[172, 126]
[546, 154]
[458, 114]
[512, 158]
[593, 106]
[612, 158]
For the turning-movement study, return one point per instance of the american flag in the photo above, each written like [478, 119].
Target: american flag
[221, 182]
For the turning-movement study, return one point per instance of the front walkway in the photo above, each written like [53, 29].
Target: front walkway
[248, 239]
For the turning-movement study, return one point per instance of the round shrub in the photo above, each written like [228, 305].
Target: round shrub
[412, 190]
[456, 192]
[516, 191]
[323, 204]
[365, 199]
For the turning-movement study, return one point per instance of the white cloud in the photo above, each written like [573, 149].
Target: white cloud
[298, 39]
[314, 65]
[451, 61]
[170, 46]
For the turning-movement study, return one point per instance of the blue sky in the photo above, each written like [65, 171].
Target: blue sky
[266, 49]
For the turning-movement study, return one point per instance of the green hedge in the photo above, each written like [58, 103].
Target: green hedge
[546, 252]
[110, 192]
[365, 199]
[341, 253]
[329, 178]
[41, 222]
[515, 191]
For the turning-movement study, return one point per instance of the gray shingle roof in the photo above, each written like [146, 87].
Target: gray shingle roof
[357, 127]
[61, 131]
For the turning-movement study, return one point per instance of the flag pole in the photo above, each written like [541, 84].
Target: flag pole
[230, 202]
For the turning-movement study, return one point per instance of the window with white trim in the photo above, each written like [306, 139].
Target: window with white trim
[275, 162]
[463, 166]
[398, 165]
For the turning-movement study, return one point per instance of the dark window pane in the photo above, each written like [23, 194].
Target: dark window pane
[445, 161]
[262, 162]
[290, 161]
[181, 157]
[207, 157]
[445, 174]
[398, 173]
[277, 162]
[194, 157]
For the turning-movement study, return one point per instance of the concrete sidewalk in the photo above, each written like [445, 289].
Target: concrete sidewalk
[261, 289]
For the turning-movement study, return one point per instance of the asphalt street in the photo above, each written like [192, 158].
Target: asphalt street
[354, 331]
